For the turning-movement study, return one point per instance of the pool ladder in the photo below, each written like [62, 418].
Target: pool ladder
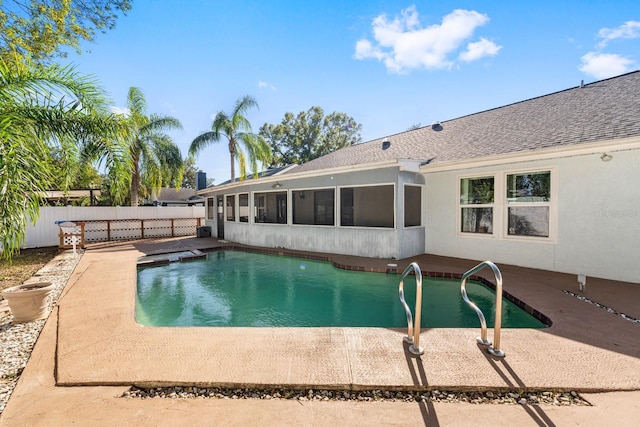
[413, 329]
[482, 339]
[413, 326]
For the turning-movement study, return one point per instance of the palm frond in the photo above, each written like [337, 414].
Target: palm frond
[242, 162]
[201, 141]
[136, 102]
[23, 180]
[161, 123]
[151, 151]
[42, 107]
[257, 149]
[222, 125]
[55, 82]
[243, 105]
[232, 126]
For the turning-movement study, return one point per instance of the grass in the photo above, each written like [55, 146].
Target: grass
[24, 265]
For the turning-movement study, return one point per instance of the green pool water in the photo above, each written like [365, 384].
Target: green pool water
[234, 288]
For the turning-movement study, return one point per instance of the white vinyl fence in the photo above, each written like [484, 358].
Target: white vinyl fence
[115, 223]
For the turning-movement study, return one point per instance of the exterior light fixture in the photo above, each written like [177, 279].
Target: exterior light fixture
[276, 185]
[606, 157]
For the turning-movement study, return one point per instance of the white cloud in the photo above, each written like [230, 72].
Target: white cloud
[604, 65]
[263, 85]
[479, 50]
[364, 50]
[123, 111]
[628, 30]
[403, 44]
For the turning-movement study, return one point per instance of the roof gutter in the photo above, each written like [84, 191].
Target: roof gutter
[404, 164]
[609, 146]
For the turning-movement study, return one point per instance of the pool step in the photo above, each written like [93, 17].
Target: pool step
[196, 255]
[162, 259]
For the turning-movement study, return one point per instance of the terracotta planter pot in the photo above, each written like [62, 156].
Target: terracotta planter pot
[29, 301]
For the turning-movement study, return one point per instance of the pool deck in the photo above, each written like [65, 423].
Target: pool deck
[91, 350]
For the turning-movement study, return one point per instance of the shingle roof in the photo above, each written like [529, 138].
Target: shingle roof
[181, 194]
[263, 174]
[603, 110]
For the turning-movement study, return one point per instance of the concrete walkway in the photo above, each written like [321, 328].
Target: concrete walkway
[92, 350]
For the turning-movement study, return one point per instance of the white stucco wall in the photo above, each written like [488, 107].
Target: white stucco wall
[375, 242]
[598, 218]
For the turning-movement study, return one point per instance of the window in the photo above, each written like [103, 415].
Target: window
[231, 208]
[476, 205]
[346, 207]
[260, 208]
[528, 204]
[243, 208]
[412, 206]
[369, 206]
[323, 207]
[270, 207]
[211, 208]
[313, 207]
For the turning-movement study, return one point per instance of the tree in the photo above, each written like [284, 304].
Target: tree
[190, 173]
[40, 29]
[154, 157]
[309, 135]
[70, 174]
[40, 108]
[242, 142]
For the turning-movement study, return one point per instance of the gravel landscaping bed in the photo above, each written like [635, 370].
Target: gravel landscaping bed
[602, 306]
[555, 398]
[17, 341]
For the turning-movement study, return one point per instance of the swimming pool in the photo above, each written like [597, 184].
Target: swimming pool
[235, 288]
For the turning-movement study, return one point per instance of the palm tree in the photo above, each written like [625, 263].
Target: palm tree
[155, 158]
[236, 128]
[42, 107]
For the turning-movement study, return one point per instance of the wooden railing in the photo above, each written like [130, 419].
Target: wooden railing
[130, 229]
[71, 235]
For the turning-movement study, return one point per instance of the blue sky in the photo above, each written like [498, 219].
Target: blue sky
[387, 64]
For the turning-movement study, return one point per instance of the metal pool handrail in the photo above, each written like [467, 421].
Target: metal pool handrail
[413, 330]
[482, 339]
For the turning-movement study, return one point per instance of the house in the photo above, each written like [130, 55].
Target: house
[177, 197]
[548, 183]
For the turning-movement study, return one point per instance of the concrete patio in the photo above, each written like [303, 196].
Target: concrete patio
[92, 350]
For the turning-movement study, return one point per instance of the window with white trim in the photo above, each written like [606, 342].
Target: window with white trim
[243, 207]
[211, 208]
[412, 205]
[528, 197]
[313, 207]
[477, 205]
[230, 206]
[367, 206]
[270, 207]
